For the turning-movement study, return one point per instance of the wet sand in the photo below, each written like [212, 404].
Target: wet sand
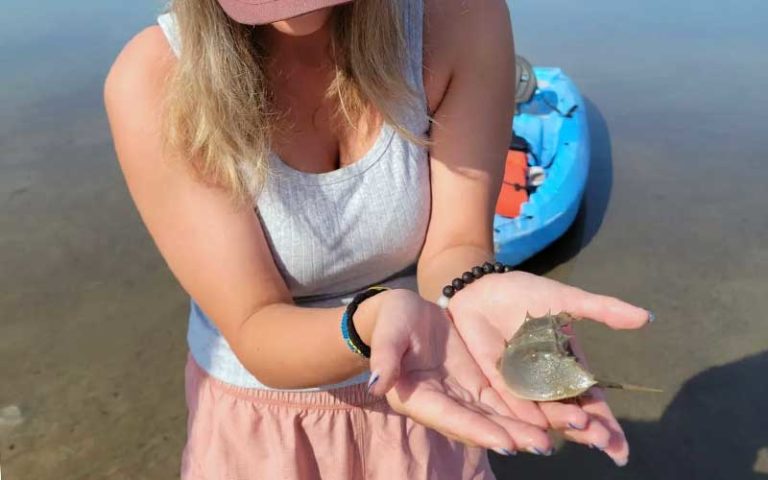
[92, 326]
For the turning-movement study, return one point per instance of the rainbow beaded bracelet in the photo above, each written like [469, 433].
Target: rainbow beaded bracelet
[348, 330]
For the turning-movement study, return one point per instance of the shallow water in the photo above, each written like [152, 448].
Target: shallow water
[92, 324]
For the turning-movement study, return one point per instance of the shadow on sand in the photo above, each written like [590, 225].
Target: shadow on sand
[594, 203]
[715, 428]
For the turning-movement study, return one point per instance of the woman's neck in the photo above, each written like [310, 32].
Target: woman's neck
[299, 51]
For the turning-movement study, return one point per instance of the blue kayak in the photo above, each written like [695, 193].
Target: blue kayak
[554, 124]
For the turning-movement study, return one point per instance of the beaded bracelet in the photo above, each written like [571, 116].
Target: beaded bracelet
[348, 331]
[468, 277]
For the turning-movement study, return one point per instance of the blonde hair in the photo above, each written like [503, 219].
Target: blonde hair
[219, 108]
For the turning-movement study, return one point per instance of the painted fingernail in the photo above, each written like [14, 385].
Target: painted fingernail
[536, 451]
[504, 451]
[576, 427]
[651, 317]
[621, 462]
[372, 381]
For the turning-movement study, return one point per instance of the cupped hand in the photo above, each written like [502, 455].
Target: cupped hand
[492, 308]
[420, 363]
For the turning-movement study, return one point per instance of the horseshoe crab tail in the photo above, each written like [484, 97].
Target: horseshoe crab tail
[626, 386]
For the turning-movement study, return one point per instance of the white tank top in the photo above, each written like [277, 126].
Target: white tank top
[334, 234]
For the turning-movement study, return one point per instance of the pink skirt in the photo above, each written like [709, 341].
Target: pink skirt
[238, 433]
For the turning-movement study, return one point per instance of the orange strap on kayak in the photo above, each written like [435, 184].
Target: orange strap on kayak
[513, 193]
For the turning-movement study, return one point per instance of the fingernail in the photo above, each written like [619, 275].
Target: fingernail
[574, 427]
[651, 317]
[592, 445]
[536, 451]
[622, 462]
[372, 381]
[504, 451]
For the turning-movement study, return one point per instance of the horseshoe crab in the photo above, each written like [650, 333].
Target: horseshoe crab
[538, 362]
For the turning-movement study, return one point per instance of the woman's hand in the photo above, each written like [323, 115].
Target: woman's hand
[492, 308]
[419, 361]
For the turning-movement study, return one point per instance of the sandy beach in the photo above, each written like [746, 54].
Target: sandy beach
[92, 323]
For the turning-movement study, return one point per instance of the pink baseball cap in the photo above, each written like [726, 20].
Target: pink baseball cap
[260, 12]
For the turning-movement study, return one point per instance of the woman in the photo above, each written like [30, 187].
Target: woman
[281, 156]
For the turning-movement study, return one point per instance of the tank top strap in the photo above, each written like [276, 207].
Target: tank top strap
[167, 22]
[413, 26]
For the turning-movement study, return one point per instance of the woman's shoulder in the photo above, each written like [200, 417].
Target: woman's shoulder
[141, 67]
[455, 31]
[134, 92]
[452, 23]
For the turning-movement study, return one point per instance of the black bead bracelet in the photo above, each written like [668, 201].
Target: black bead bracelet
[470, 276]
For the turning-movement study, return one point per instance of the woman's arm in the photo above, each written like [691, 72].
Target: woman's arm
[219, 254]
[471, 138]
[472, 42]
[216, 250]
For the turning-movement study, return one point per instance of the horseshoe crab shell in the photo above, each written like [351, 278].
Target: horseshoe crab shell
[538, 363]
